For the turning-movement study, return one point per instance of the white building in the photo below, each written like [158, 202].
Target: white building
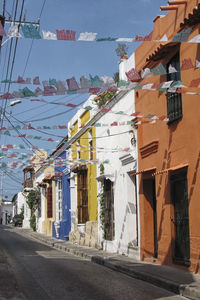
[6, 212]
[19, 204]
[116, 179]
[40, 213]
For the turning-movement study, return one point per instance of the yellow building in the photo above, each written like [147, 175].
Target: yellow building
[84, 210]
[48, 201]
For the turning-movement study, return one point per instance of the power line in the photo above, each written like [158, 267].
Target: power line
[38, 130]
[12, 177]
[5, 104]
[29, 53]
[66, 96]
[24, 139]
[55, 115]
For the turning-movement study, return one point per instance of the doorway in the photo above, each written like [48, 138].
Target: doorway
[109, 229]
[150, 218]
[179, 194]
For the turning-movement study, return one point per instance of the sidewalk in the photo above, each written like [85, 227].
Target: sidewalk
[172, 279]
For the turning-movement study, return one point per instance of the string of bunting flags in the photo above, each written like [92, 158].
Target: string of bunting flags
[31, 31]
[17, 165]
[95, 84]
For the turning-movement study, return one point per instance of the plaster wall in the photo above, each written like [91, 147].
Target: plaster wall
[178, 142]
[47, 224]
[6, 209]
[114, 139]
[39, 176]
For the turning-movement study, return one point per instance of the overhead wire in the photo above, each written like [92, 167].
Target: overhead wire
[66, 96]
[29, 53]
[13, 61]
[14, 178]
[38, 130]
[55, 115]
[3, 114]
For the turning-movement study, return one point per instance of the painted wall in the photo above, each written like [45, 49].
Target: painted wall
[64, 224]
[39, 176]
[178, 143]
[6, 209]
[115, 139]
[47, 224]
[82, 117]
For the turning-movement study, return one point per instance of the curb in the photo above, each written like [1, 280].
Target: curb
[168, 285]
[191, 291]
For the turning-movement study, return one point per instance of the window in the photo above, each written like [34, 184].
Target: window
[109, 226]
[78, 150]
[49, 202]
[59, 198]
[174, 100]
[82, 197]
[90, 145]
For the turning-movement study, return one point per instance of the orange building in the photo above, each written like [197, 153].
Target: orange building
[169, 149]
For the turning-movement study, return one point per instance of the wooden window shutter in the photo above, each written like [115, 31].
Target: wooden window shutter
[49, 202]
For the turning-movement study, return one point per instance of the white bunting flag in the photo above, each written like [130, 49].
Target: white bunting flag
[47, 35]
[197, 65]
[13, 31]
[146, 73]
[172, 69]
[128, 40]
[147, 86]
[164, 38]
[166, 84]
[87, 36]
[195, 39]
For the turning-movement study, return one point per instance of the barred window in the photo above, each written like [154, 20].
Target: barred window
[174, 100]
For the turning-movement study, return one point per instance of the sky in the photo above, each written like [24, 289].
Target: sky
[62, 60]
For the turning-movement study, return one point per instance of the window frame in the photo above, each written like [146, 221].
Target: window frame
[174, 99]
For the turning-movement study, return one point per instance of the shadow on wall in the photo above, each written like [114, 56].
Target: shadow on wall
[130, 209]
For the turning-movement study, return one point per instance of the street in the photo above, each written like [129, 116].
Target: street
[45, 273]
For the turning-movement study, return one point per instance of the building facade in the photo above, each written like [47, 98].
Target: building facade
[168, 147]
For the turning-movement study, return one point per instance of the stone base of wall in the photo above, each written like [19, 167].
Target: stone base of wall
[47, 227]
[26, 224]
[85, 236]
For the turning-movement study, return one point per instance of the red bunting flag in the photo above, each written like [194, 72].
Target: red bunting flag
[49, 90]
[72, 84]
[162, 118]
[147, 37]
[135, 114]
[71, 105]
[67, 35]
[133, 75]
[186, 64]
[9, 146]
[94, 90]
[105, 110]
[7, 96]
[36, 80]
[195, 83]
[20, 80]
[22, 135]
[30, 127]
[2, 31]
[62, 127]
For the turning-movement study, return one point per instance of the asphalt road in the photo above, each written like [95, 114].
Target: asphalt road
[38, 272]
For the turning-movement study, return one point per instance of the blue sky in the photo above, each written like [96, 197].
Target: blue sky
[64, 59]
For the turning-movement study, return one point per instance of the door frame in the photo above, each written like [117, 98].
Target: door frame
[175, 176]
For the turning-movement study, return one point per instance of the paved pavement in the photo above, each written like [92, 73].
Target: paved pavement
[172, 279]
